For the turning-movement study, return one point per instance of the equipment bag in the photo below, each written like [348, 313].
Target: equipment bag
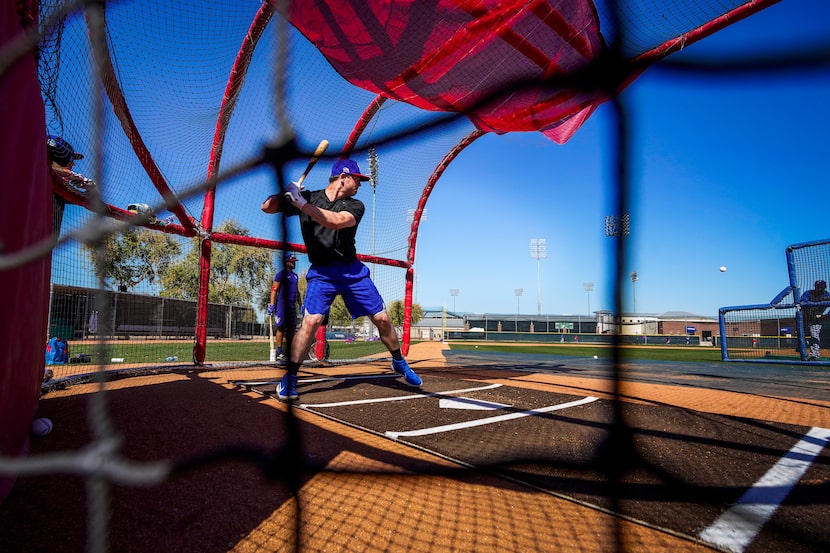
[57, 351]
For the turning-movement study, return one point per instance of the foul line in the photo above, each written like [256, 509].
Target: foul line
[490, 420]
[397, 398]
[737, 527]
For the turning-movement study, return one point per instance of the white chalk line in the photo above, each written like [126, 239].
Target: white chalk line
[397, 398]
[737, 527]
[490, 420]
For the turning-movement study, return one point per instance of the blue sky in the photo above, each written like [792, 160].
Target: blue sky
[725, 171]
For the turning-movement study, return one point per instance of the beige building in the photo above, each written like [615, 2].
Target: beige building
[437, 323]
[669, 323]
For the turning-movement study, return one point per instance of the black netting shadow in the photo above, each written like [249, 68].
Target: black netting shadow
[194, 487]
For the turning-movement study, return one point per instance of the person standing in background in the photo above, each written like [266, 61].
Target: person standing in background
[814, 317]
[285, 300]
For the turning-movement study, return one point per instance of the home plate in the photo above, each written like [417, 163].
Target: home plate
[472, 404]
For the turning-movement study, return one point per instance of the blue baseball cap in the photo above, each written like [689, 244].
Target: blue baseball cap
[349, 167]
[289, 256]
[61, 151]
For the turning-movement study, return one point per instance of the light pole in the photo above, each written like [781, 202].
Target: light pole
[634, 279]
[454, 294]
[588, 286]
[373, 173]
[617, 225]
[538, 251]
[518, 292]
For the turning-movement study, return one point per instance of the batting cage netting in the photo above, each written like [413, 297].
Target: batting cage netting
[780, 330]
[140, 257]
[240, 80]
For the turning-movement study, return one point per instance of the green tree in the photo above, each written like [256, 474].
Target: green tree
[238, 271]
[238, 275]
[396, 313]
[135, 256]
[182, 278]
[338, 314]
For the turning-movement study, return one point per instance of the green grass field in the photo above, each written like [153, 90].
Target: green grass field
[224, 351]
[216, 351]
[663, 353]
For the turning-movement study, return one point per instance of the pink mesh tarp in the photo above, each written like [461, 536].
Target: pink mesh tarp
[464, 55]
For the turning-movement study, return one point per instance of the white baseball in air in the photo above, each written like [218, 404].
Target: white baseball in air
[722, 269]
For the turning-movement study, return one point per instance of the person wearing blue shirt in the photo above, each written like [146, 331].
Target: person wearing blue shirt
[284, 300]
[328, 221]
[814, 316]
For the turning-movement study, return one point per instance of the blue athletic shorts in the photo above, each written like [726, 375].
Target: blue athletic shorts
[350, 280]
[280, 316]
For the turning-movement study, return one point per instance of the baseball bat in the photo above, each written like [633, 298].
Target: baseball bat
[273, 356]
[321, 149]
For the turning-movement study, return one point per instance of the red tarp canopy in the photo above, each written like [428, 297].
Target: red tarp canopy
[459, 55]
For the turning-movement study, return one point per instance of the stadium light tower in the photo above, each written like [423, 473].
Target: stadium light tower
[454, 294]
[538, 251]
[373, 173]
[634, 278]
[588, 286]
[617, 225]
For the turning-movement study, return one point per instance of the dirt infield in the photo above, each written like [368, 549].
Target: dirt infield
[357, 491]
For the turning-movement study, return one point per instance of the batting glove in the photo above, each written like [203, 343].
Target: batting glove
[292, 194]
[271, 309]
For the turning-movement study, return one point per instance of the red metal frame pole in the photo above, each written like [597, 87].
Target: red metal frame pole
[232, 90]
[416, 221]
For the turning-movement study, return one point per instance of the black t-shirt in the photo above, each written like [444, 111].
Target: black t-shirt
[326, 246]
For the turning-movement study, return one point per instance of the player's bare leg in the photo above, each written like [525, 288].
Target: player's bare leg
[386, 331]
[390, 339]
[304, 337]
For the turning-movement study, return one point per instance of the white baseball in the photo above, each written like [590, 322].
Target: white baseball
[722, 269]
